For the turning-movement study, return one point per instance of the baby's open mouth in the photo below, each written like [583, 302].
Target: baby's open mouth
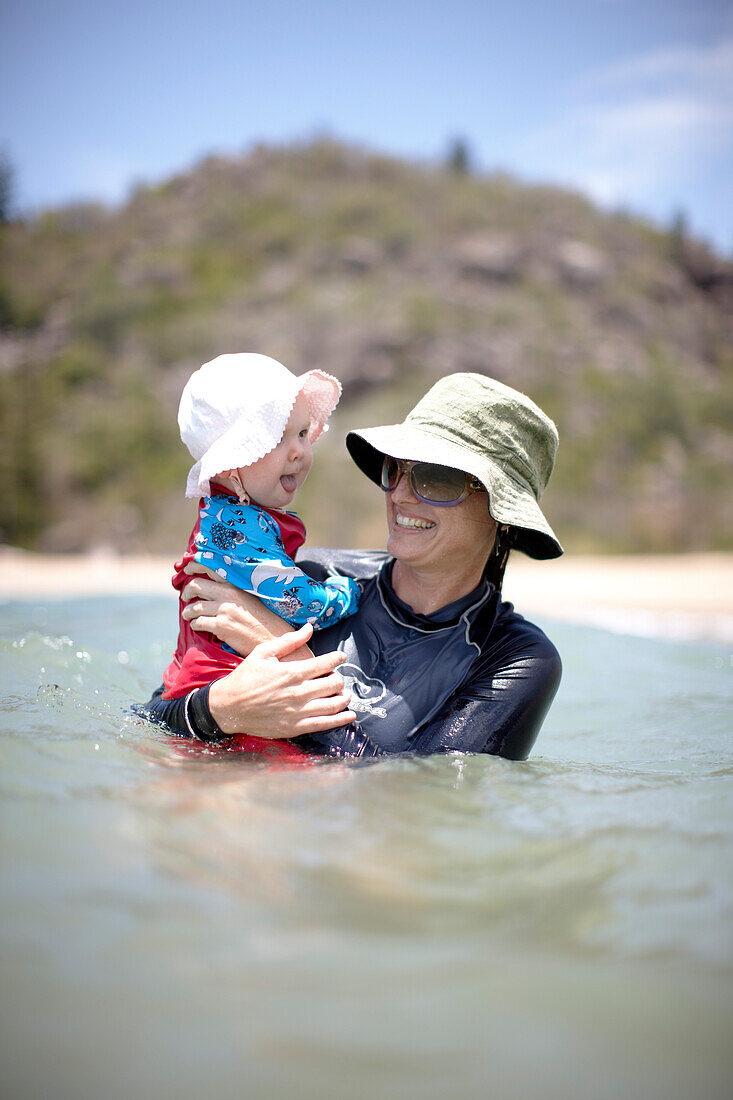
[289, 483]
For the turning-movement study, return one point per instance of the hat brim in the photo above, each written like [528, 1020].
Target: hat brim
[322, 392]
[510, 502]
[241, 446]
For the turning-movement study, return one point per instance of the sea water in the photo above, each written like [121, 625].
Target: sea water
[181, 923]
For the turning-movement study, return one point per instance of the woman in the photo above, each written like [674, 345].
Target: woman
[432, 661]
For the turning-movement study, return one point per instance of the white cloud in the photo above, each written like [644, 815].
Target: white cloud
[711, 66]
[643, 125]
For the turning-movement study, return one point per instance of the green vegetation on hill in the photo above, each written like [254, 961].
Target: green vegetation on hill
[387, 274]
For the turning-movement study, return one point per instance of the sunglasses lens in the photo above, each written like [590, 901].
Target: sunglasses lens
[441, 484]
[390, 472]
[429, 482]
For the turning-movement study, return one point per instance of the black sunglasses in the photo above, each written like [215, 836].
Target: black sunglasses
[433, 484]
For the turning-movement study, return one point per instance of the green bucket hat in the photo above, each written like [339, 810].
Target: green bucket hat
[490, 431]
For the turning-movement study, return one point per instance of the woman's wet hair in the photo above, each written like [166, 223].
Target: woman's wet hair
[499, 556]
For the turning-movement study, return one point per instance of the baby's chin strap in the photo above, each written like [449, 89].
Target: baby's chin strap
[239, 489]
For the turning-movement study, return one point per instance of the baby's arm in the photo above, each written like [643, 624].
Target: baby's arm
[243, 545]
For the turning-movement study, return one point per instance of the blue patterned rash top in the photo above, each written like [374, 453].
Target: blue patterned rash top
[244, 545]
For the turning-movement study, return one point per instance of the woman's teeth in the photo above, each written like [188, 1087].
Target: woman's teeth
[410, 521]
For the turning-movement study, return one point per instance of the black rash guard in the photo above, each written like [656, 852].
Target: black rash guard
[472, 677]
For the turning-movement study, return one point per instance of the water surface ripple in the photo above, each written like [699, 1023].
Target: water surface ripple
[176, 921]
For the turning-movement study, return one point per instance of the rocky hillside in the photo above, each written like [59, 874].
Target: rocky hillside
[389, 275]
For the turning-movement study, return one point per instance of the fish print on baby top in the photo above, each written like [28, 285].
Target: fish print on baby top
[244, 545]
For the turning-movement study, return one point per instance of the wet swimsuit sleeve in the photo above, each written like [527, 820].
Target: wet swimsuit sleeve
[502, 707]
[188, 716]
[243, 545]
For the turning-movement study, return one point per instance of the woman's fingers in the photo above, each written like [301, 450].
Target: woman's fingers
[322, 723]
[193, 568]
[312, 678]
[205, 588]
[288, 643]
[198, 607]
[333, 704]
[204, 624]
[322, 686]
[315, 669]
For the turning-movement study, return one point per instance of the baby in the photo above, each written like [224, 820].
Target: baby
[250, 424]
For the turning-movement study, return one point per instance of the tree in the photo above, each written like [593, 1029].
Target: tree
[459, 159]
[679, 234]
[6, 187]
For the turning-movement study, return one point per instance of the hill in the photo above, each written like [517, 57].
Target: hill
[388, 274]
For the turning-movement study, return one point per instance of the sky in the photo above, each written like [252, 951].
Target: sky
[629, 101]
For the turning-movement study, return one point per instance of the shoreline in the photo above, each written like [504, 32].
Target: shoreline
[673, 596]
[685, 596]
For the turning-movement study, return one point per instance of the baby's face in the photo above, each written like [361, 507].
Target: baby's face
[274, 480]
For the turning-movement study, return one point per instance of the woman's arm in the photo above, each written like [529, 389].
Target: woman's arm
[265, 696]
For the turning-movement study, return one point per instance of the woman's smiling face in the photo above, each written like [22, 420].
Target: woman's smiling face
[426, 537]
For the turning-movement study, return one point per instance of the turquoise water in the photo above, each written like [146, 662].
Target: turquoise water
[178, 923]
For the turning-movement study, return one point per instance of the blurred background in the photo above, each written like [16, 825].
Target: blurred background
[388, 191]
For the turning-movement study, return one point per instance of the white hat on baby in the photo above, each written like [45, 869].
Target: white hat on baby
[234, 410]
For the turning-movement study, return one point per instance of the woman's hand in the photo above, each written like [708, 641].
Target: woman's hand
[235, 617]
[266, 696]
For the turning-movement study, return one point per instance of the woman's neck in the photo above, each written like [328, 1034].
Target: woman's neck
[426, 592]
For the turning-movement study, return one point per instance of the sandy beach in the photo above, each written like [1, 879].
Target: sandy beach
[685, 596]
